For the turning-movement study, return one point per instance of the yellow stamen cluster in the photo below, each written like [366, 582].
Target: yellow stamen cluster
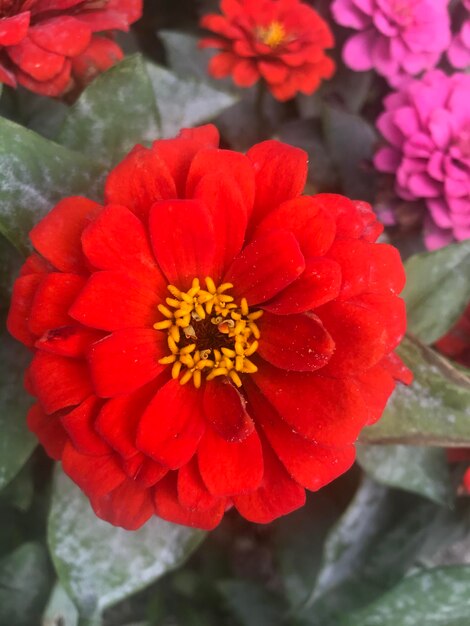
[189, 313]
[272, 35]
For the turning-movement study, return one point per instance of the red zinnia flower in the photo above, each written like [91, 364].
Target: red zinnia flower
[210, 337]
[48, 46]
[280, 41]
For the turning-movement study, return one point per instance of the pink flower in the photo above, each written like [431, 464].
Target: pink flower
[459, 51]
[427, 126]
[397, 38]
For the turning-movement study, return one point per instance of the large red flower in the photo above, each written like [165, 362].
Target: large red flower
[280, 41]
[210, 337]
[49, 46]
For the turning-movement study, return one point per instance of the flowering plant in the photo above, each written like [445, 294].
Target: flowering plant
[234, 375]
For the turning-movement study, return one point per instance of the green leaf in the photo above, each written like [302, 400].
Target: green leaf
[350, 140]
[420, 470]
[24, 584]
[383, 536]
[99, 564]
[185, 102]
[19, 491]
[10, 263]
[16, 441]
[439, 597]
[307, 134]
[113, 114]
[433, 410]
[34, 174]
[437, 290]
[252, 604]
[185, 57]
[60, 610]
[298, 541]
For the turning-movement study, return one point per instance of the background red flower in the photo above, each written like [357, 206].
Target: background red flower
[50, 46]
[297, 359]
[282, 42]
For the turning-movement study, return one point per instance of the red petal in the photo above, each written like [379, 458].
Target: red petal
[71, 341]
[229, 468]
[224, 409]
[398, 370]
[364, 330]
[54, 87]
[117, 240]
[277, 495]
[313, 228]
[192, 492]
[48, 429]
[52, 300]
[225, 164]
[266, 266]
[387, 273]
[101, 54]
[131, 301]
[100, 21]
[329, 411]
[35, 264]
[295, 342]
[41, 6]
[376, 386]
[150, 473]
[281, 174]
[35, 61]
[245, 73]
[273, 71]
[222, 64]
[128, 506]
[139, 181]
[132, 465]
[64, 35]
[354, 259]
[229, 217]
[59, 382]
[172, 425]
[182, 235]
[119, 417]
[14, 29]
[24, 289]
[178, 153]
[95, 475]
[224, 181]
[132, 9]
[348, 217]
[57, 236]
[309, 463]
[168, 507]
[319, 283]
[79, 424]
[126, 360]
[372, 228]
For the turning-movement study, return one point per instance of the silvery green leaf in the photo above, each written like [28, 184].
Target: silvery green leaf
[99, 564]
[114, 113]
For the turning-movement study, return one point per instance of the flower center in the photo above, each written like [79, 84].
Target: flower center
[272, 35]
[208, 333]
